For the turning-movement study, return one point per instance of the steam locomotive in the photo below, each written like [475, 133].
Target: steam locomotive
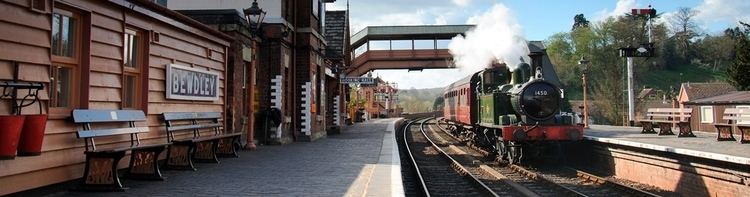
[515, 114]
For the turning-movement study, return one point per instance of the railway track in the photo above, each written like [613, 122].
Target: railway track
[510, 180]
[436, 172]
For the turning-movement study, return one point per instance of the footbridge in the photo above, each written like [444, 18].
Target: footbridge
[403, 47]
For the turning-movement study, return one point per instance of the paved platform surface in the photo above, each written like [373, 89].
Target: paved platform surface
[704, 145]
[361, 161]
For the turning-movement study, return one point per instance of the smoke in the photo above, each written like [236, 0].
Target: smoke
[496, 37]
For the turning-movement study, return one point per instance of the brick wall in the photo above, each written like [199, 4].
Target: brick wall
[688, 176]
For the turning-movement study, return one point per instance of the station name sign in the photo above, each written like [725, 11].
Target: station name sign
[186, 83]
[357, 80]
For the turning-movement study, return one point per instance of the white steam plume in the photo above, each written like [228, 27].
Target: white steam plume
[496, 37]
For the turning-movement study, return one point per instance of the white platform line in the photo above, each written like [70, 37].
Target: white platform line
[682, 151]
[397, 187]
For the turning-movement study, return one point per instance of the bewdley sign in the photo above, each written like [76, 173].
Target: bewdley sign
[185, 83]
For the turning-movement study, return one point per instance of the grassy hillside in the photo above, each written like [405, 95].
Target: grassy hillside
[418, 100]
[664, 79]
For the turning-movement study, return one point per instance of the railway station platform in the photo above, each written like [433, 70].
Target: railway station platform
[704, 145]
[361, 161]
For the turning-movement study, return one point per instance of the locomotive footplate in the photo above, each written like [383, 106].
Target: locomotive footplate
[546, 132]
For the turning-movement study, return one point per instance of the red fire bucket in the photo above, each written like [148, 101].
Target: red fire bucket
[32, 135]
[10, 132]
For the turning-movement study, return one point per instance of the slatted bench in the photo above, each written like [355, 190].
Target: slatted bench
[100, 173]
[204, 148]
[735, 117]
[665, 118]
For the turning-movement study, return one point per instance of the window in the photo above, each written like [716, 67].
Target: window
[39, 5]
[746, 107]
[132, 62]
[62, 86]
[707, 114]
[64, 30]
[65, 48]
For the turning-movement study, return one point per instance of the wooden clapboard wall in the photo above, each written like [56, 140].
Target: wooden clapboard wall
[25, 38]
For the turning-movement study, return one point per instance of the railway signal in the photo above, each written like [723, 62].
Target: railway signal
[644, 50]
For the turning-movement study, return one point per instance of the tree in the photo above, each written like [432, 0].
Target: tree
[580, 21]
[716, 52]
[740, 67]
[438, 104]
[685, 28]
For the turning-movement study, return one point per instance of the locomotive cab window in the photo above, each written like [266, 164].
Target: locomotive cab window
[490, 81]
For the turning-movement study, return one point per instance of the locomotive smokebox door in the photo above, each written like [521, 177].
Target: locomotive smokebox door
[537, 100]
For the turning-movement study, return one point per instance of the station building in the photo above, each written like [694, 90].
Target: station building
[112, 54]
[293, 74]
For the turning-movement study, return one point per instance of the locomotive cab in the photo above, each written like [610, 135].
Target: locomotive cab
[492, 100]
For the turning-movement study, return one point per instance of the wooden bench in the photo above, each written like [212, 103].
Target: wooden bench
[100, 173]
[735, 117]
[665, 118]
[197, 147]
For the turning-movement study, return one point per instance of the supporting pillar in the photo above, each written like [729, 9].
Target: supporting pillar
[631, 99]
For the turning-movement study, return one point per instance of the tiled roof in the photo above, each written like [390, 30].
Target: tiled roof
[645, 92]
[736, 97]
[697, 91]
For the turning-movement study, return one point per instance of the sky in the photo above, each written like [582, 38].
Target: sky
[538, 19]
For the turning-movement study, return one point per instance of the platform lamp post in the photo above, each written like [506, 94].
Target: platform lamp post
[253, 14]
[585, 65]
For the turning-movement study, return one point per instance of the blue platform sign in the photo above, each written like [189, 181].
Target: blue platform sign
[186, 83]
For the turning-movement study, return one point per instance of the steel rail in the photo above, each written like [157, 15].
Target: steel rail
[413, 160]
[486, 189]
[604, 181]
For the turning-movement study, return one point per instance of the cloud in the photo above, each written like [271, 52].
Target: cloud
[721, 13]
[621, 8]
[729, 11]
[440, 20]
[462, 3]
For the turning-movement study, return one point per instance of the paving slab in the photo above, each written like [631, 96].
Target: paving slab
[361, 161]
[704, 145]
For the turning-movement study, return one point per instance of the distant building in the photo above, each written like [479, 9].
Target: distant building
[647, 94]
[652, 98]
[710, 110]
[694, 91]
[690, 92]
[381, 100]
